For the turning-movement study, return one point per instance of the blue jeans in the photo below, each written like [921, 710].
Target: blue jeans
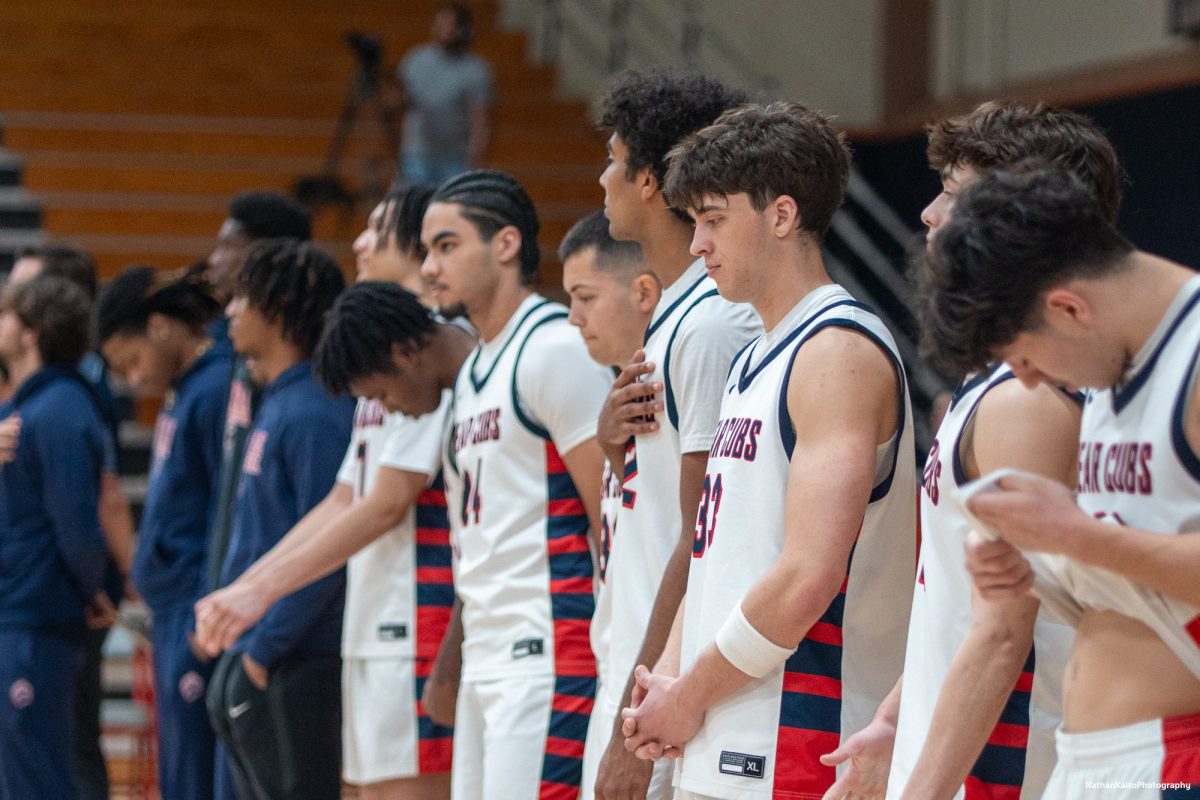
[433, 169]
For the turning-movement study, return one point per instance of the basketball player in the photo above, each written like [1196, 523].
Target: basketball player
[274, 699]
[386, 516]
[960, 719]
[115, 519]
[253, 217]
[613, 295]
[692, 338]
[1030, 269]
[798, 597]
[54, 549]
[152, 329]
[522, 440]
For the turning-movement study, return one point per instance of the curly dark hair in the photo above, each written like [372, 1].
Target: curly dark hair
[127, 302]
[270, 215]
[56, 308]
[999, 134]
[492, 200]
[652, 110]
[294, 282]
[766, 152]
[1013, 236]
[365, 322]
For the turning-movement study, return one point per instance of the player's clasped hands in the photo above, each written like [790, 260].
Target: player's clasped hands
[659, 714]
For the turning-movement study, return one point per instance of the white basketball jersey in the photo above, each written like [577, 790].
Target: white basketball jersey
[524, 564]
[601, 630]
[399, 588]
[766, 737]
[1136, 468]
[1019, 756]
[692, 337]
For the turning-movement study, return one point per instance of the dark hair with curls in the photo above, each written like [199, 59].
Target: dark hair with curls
[67, 262]
[57, 309]
[999, 134]
[294, 282]
[404, 209]
[652, 110]
[270, 215]
[492, 200]
[127, 302]
[366, 321]
[1013, 236]
[765, 152]
[624, 258]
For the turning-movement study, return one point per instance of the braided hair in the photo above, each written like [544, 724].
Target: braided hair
[404, 209]
[294, 282]
[492, 200]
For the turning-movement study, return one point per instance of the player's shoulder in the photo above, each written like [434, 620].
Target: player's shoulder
[1011, 403]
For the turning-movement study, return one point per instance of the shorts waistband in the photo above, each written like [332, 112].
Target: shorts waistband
[1129, 743]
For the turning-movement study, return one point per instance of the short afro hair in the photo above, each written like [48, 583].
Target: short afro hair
[270, 215]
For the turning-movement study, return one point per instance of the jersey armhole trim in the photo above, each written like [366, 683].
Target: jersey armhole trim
[672, 407]
[787, 433]
[1183, 448]
[526, 421]
[960, 472]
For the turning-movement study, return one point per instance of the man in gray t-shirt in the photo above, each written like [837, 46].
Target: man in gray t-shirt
[447, 95]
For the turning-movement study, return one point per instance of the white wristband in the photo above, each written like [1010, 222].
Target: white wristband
[746, 648]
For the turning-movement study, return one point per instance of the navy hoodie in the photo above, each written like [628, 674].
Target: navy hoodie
[292, 458]
[169, 566]
[52, 551]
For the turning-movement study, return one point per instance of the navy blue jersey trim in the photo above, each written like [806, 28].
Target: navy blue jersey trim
[960, 472]
[479, 383]
[653, 328]
[1183, 449]
[787, 432]
[968, 384]
[1123, 396]
[522, 417]
[672, 408]
[748, 375]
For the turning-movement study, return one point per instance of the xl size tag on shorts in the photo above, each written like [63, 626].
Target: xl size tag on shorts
[528, 647]
[745, 765]
[393, 632]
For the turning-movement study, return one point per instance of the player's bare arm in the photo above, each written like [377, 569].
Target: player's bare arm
[629, 409]
[843, 409]
[1030, 429]
[313, 554]
[217, 611]
[585, 463]
[621, 773]
[441, 690]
